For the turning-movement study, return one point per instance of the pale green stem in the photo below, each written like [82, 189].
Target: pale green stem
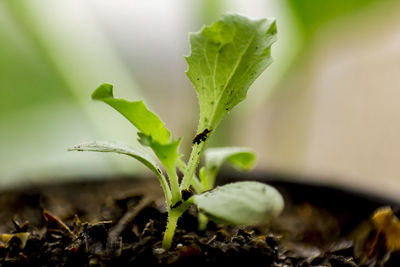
[197, 185]
[211, 177]
[194, 159]
[170, 231]
[173, 216]
[203, 178]
[203, 221]
[174, 184]
[195, 182]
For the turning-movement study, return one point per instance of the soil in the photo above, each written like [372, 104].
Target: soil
[120, 222]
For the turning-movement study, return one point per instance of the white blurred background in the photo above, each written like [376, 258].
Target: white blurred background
[328, 108]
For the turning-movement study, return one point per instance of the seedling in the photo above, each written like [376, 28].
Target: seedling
[225, 59]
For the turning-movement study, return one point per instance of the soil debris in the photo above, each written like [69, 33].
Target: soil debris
[126, 229]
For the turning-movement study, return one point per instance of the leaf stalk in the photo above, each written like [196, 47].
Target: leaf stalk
[173, 216]
[193, 162]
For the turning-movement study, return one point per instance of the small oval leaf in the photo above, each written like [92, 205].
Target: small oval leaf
[241, 203]
[241, 158]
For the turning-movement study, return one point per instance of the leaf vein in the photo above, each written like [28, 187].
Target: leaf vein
[232, 74]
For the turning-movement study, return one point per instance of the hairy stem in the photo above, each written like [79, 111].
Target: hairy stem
[173, 216]
[195, 181]
[194, 159]
[170, 231]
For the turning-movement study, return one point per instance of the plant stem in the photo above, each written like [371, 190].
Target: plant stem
[170, 231]
[212, 176]
[194, 159]
[195, 182]
[203, 221]
[204, 179]
[173, 216]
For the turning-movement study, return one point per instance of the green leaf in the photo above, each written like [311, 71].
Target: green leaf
[225, 59]
[136, 112]
[101, 146]
[241, 158]
[166, 153]
[241, 203]
[152, 132]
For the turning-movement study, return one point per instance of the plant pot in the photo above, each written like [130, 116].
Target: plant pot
[120, 221]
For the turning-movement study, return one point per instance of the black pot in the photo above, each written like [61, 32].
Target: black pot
[350, 204]
[348, 208]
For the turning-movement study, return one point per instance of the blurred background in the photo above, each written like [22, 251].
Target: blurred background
[328, 108]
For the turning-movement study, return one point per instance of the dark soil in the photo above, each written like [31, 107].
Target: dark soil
[121, 222]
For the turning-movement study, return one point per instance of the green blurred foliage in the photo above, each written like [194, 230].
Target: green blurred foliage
[27, 77]
[43, 67]
[45, 93]
[311, 15]
[210, 11]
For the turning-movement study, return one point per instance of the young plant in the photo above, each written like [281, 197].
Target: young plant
[225, 59]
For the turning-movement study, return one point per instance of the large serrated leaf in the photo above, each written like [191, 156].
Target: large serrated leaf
[225, 59]
[136, 112]
[241, 203]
